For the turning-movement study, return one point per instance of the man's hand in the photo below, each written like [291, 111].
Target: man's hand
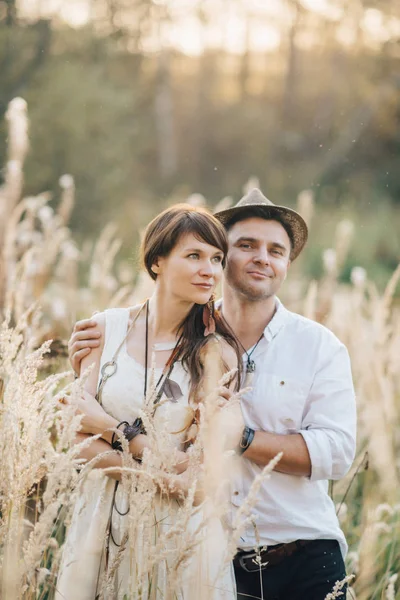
[84, 337]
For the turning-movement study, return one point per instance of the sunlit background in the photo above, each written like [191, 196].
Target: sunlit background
[145, 102]
[110, 110]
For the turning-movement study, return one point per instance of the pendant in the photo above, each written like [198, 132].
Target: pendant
[251, 366]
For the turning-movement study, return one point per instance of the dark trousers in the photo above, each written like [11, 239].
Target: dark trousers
[309, 574]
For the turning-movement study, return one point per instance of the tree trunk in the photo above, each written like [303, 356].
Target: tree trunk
[166, 138]
[289, 92]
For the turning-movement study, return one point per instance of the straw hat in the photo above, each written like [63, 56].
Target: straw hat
[291, 218]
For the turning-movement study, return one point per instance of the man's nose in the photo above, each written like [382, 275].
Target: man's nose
[261, 256]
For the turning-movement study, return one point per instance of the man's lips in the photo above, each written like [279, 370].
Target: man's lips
[259, 274]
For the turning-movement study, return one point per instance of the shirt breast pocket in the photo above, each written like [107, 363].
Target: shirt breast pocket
[280, 406]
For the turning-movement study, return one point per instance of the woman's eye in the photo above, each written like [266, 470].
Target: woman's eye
[217, 259]
[193, 255]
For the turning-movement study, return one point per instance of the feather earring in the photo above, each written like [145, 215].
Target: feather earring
[208, 317]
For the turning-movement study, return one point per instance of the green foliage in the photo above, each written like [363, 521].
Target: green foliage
[89, 115]
[323, 116]
[375, 246]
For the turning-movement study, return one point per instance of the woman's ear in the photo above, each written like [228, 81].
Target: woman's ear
[155, 267]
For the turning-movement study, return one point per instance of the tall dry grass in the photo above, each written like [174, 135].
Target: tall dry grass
[368, 498]
[39, 478]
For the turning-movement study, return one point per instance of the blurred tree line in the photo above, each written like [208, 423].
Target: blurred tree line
[138, 122]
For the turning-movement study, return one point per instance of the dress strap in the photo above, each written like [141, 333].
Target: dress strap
[116, 327]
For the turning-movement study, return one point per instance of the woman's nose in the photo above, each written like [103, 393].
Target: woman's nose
[207, 269]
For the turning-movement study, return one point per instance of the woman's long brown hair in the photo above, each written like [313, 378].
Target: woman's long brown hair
[161, 236]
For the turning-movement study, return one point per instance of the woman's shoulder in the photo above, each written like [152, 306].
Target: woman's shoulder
[111, 319]
[112, 315]
[134, 312]
[100, 319]
[111, 324]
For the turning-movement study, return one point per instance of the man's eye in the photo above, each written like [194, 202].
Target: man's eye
[278, 252]
[245, 246]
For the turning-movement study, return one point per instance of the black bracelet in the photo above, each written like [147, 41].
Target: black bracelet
[137, 428]
[246, 439]
[115, 443]
[129, 433]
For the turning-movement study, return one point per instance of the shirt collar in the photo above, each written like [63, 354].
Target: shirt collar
[278, 321]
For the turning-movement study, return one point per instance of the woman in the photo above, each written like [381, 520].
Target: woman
[107, 548]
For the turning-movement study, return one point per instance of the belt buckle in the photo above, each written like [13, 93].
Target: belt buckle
[251, 556]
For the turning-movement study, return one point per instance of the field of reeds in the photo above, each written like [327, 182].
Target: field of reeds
[41, 295]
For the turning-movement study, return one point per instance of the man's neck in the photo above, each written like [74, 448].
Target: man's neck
[246, 318]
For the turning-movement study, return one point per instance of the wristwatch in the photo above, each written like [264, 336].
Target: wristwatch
[246, 439]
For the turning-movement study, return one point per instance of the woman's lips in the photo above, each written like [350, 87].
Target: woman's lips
[204, 286]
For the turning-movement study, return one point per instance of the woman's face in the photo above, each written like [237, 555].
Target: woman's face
[191, 271]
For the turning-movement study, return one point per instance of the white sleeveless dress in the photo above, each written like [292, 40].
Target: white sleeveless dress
[204, 576]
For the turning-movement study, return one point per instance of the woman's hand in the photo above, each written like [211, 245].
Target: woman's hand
[95, 419]
[182, 462]
[228, 420]
[220, 398]
[224, 396]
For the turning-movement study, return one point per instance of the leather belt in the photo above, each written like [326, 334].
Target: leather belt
[267, 556]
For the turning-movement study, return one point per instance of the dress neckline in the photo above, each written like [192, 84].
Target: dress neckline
[160, 346]
[157, 348]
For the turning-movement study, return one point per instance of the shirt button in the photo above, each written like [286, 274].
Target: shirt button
[236, 493]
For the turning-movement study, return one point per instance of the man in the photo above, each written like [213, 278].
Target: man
[301, 403]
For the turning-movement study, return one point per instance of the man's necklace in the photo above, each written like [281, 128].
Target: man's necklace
[251, 365]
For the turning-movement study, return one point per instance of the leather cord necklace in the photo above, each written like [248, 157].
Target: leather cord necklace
[251, 365]
[168, 367]
[110, 367]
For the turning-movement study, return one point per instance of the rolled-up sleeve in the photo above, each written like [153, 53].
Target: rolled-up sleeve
[329, 421]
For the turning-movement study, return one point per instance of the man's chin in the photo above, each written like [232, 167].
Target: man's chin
[255, 293]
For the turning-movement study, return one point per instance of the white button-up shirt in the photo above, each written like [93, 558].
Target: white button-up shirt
[302, 384]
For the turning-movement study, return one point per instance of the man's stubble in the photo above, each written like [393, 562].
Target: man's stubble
[247, 291]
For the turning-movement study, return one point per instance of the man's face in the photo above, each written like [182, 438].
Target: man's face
[258, 258]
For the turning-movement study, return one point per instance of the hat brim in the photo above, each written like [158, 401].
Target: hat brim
[291, 218]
